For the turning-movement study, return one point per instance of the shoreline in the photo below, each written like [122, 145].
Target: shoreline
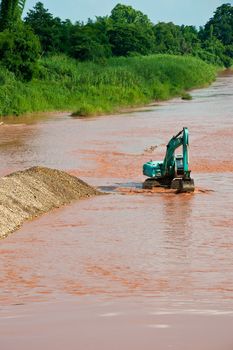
[121, 110]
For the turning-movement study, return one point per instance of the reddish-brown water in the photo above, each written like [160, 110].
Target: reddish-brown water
[133, 269]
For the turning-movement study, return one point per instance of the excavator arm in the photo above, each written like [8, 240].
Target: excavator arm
[169, 162]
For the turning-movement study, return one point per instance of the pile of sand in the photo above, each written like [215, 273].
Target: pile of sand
[30, 193]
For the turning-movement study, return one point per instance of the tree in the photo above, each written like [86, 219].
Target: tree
[174, 39]
[123, 14]
[217, 37]
[216, 51]
[90, 42]
[65, 36]
[190, 41]
[127, 39]
[130, 32]
[47, 28]
[19, 51]
[19, 47]
[221, 25]
[168, 38]
[10, 12]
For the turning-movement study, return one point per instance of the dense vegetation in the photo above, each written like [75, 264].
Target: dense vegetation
[47, 63]
[128, 32]
[19, 46]
[90, 88]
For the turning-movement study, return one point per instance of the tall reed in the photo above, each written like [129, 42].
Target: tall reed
[96, 88]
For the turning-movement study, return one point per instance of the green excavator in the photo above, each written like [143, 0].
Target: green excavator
[173, 172]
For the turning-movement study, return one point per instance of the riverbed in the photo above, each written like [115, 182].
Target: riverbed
[132, 269]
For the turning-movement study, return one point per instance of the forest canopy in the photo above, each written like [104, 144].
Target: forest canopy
[125, 32]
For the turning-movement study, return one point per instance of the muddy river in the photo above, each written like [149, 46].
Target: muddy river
[131, 269]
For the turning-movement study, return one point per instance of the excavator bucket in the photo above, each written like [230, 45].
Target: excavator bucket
[183, 185]
[187, 186]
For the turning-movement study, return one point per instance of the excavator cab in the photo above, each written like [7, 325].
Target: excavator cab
[179, 163]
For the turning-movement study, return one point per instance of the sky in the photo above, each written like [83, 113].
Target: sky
[189, 12]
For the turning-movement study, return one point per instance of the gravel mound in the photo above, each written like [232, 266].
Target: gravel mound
[27, 194]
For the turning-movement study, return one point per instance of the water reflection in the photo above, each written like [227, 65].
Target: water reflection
[177, 213]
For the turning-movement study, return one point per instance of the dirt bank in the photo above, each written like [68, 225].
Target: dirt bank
[30, 193]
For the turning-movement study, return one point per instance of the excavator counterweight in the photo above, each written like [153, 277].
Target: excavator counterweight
[173, 172]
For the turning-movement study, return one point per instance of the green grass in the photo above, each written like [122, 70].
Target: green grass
[91, 89]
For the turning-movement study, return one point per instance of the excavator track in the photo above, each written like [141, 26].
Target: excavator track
[151, 183]
[180, 184]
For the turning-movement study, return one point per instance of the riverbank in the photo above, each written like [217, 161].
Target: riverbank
[30, 193]
[88, 88]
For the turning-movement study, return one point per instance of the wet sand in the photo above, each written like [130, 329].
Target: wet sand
[134, 269]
